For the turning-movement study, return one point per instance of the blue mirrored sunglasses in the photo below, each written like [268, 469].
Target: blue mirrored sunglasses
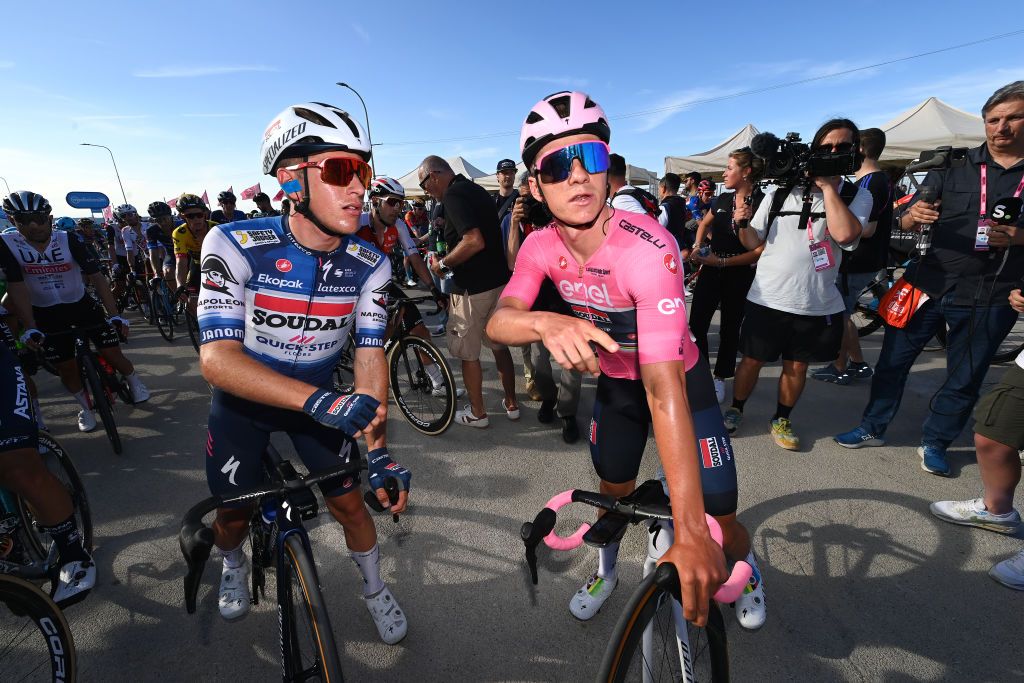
[556, 165]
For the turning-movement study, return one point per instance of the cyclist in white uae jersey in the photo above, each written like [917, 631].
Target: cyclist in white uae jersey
[278, 295]
[52, 264]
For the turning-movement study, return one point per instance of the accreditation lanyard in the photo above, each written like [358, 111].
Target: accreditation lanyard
[981, 235]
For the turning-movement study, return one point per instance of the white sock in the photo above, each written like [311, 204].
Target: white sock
[233, 559]
[133, 379]
[434, 373]
[80, 397]
[369, 567]
[607, 557]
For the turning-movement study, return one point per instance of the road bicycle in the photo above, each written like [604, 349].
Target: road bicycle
[136, 295]
[651, 641]
[428, 409]
[162, 310]
[185, 300]
[35, 641]
[100, 381]
[34, 636]
[279, 542]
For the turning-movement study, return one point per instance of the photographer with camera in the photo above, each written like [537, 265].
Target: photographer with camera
[964, 276]
[794, 309]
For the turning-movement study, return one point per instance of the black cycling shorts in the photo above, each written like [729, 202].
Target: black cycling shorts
[86, 312]
[411, 315]
[768, 333]
[239, 431]
[19, 428]
[619, 428]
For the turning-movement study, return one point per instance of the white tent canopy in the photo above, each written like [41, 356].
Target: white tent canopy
[411, 182]
[715, 159]
[931, 124]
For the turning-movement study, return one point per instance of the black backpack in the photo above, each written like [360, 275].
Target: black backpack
[647, 200]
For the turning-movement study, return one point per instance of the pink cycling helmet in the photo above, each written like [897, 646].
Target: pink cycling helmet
[557, 116]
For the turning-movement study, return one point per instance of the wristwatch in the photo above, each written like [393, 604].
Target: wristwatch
[442, 267]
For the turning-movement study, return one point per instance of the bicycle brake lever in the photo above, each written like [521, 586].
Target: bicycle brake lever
[391, 487]
[533, 533]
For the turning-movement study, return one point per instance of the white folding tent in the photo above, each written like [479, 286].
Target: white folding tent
[411, 182]
[714, 160]
[931, 124]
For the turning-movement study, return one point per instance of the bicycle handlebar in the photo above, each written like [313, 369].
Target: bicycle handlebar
[196, 538]
[634, 508]
[417, 299]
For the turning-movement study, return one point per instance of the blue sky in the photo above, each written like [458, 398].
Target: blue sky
[182, 93]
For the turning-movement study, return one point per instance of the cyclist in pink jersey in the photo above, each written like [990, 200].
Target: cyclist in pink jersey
[620, 273]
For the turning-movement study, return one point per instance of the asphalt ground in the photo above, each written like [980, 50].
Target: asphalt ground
[862, 583]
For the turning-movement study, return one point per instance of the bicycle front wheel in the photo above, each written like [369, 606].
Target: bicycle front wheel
[35, 641]
[652, 641]
[91, 380]
[427, 409]
[307, 639]
[163, 312]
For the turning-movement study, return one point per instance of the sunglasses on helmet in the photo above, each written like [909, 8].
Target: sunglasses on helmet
[338, 171]
[556, 165]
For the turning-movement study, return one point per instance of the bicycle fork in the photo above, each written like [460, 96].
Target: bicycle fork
[660, 537]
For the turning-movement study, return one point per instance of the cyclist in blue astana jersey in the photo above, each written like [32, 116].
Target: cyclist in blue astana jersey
[278, 297]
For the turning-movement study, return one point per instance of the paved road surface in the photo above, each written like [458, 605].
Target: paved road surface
[862, 583]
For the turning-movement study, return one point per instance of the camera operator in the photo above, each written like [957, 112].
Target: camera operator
[794, 309]
[967, 274]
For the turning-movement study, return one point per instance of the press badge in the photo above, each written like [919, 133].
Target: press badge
[821, 255]
[981, 236]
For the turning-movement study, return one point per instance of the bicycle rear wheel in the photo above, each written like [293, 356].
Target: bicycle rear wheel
[414, 392]
[192, 323]
[35, 641]
[652, 642]
[94, 385]
[59, 463]
[306, 638]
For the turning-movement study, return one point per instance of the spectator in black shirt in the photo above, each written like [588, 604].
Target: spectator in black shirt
[476, 256]
[968, 288]
[264, 208]
[507, 192]
[727, 271]
[860, 266]
[673, 212]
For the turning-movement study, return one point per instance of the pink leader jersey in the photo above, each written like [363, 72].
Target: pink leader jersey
[632, 288]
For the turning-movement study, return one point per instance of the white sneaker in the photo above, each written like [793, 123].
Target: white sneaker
[75, 580]
[720, 390]
[1010, 572]
[751, 610]
[86, 421]
[388, 617]
[466, 417]
[140, 393]
[588, 600]
[234, 599]
[440, 391]
[973, 513]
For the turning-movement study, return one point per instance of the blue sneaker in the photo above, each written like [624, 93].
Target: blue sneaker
[831, 374]
[859, 370]
[933, 460]
[858, 438]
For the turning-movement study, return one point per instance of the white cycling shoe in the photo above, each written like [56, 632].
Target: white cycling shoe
[388, 617]
[234, 599]
[588, 600]
[86, 421]
[75, 581]
[751, 610]
[139, 391]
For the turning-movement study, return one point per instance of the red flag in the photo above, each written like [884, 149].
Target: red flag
[206, 200]
[279, 196]
[172, 202]
[250, 192]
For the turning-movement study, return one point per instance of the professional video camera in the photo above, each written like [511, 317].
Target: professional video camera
[790, 162]
[939, 159]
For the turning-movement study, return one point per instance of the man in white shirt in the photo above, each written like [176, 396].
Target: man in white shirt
[794, 309]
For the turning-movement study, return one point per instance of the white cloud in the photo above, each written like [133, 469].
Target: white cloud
[198, 71]
[361, 32]
[441, 114]
[674, 103]
[111, 117]
[562, 81]
[6, 65]
[210, 116]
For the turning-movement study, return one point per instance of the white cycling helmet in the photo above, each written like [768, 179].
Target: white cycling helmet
[124, 210]
[310, 128]
[383, 186]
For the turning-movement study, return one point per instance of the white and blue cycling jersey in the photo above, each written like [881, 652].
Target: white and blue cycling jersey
[290, 306]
